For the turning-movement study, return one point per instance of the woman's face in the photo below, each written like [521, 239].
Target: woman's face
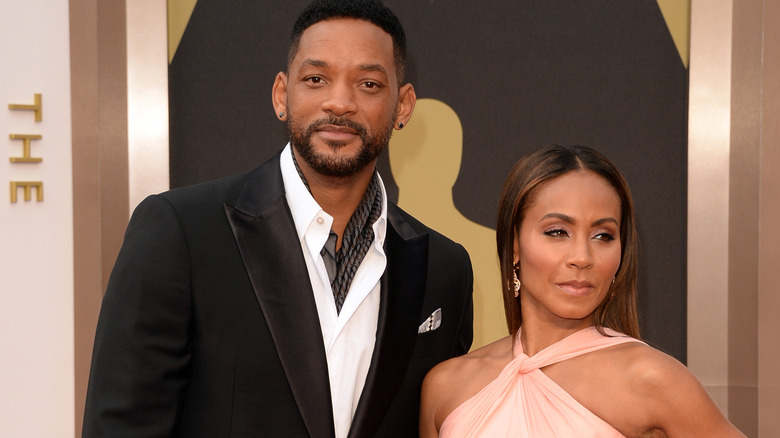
[568, 247]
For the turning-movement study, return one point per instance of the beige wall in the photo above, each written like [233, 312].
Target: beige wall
[734, 175]
[734, 178]
[769, 233]
[99, 90]
[36, 252]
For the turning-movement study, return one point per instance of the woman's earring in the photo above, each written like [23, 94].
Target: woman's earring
[517, 284]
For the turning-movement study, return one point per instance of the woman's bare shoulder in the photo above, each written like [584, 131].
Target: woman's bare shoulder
[452, 369]
[649, 373]
[454, 381]
[649, 367]
[671, 398]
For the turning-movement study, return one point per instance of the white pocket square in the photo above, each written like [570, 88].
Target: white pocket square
[431, 323]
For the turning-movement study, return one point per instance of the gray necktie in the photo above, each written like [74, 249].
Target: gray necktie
[328, 254]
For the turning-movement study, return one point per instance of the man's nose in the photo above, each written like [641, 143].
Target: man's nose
[340, 100]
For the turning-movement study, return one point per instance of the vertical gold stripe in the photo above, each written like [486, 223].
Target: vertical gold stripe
[677, 14]
[179, 12]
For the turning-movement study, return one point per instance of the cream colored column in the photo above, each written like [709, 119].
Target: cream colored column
[708, 194]
[147, 98]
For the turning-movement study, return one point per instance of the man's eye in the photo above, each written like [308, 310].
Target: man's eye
[314, 80]
[371, 85]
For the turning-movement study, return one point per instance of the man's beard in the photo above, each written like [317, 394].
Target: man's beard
[338, 166]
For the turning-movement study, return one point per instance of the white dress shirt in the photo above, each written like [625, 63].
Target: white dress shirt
[348, 336]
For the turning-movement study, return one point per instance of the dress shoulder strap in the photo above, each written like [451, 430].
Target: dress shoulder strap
[582, 342]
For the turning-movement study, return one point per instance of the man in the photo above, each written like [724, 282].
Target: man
[294, 300]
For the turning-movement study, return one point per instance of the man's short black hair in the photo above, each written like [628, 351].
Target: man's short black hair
[372, 11]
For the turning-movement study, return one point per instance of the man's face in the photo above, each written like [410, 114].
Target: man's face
[341, 95]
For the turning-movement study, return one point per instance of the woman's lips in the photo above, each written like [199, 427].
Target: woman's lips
[576, 288]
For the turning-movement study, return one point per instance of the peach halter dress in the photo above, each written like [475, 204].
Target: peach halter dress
[523, 402]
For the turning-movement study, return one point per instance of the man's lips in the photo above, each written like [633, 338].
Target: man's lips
[336, 133]
[576, 288]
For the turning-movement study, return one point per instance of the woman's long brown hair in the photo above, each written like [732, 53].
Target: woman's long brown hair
[618, 310]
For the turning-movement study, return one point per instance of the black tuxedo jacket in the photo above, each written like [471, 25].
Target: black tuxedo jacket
[209, 327]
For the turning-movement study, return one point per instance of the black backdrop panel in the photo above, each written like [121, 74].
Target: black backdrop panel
[519, 74]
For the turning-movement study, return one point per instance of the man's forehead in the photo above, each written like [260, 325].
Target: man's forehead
[347, 34]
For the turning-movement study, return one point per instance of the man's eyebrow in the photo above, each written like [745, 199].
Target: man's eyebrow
[373, 67]
[313, 63]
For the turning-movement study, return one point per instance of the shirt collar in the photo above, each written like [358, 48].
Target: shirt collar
[305, 209]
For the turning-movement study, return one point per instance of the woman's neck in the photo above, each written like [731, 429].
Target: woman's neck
[536, 334]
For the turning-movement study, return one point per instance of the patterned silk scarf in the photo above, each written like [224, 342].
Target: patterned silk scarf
[355, 243]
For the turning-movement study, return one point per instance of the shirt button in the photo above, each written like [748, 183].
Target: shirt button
[320, 220]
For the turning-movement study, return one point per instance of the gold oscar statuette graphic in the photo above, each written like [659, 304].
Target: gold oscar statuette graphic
[27, 186]
[37, 107]
[425, 158]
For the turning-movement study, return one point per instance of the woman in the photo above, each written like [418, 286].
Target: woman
[574, 365]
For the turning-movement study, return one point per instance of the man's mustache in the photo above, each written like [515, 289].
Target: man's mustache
[338, 121]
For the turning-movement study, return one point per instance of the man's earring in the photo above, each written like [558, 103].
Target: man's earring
[400, 125]
[281, 115]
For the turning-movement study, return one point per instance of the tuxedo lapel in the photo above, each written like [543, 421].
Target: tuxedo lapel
[402, 292]
[266, 237]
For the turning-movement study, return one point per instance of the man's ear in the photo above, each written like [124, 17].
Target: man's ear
[407, 98]
[279, 96]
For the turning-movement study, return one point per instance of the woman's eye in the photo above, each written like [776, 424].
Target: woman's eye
[556, 233]
[605, 237]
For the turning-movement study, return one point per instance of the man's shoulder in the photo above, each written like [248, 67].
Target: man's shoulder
[399, 218]
[218, 190]
[226, 189]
